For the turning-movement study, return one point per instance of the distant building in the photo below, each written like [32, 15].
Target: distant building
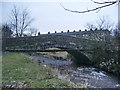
[99, 35]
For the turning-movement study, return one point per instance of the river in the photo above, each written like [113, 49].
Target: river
[81, 75]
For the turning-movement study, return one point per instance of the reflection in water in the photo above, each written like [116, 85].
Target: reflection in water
[82, 75]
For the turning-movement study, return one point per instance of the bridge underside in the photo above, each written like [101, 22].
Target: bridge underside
[78, 57]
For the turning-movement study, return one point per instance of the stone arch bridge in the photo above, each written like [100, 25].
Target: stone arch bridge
[81, 49]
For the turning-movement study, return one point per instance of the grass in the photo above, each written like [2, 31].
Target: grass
[18, 68]
[53, 48]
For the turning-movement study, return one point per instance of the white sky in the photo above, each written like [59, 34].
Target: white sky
[50, 16]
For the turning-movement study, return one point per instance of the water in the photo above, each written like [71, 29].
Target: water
[56, 63]
[93, 77]
[83, 75]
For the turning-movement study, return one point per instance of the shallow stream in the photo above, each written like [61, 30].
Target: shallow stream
[82, 75]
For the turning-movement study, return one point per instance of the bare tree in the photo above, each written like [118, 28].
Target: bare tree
[102, 23]
[20, 21]
[90, 25]
[102, 3]
[33, 31]
[117, 30]
[6, 31]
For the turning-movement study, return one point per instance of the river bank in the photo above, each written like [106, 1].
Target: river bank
[43, 72]
[19, 71]
[87, 76]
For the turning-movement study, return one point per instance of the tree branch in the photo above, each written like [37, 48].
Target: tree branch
[94, 9]
[103, 2]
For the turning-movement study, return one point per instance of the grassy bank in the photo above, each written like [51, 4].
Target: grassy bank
[18, 71]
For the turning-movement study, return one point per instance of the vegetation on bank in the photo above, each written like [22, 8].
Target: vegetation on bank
[107, 60]
[19, 71]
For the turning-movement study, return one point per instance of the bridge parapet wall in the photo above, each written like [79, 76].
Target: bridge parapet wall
[40, 41]
[49, 40]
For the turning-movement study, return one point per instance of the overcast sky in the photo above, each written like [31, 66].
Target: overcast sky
[50, 16]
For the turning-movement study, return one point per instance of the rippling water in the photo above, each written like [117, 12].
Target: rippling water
[93, 77]
[83, 75]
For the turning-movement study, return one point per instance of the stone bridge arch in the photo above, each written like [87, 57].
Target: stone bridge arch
[72, 44]
[79, 58]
